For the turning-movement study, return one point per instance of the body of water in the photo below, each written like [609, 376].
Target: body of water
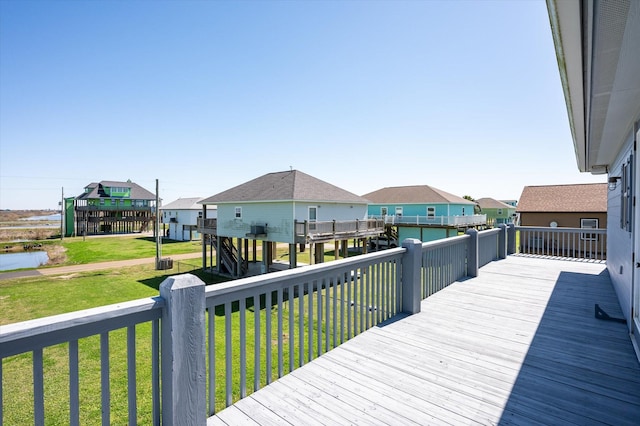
[29, 259]
[50, 217]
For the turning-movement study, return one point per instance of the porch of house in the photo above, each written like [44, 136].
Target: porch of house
[518, 344]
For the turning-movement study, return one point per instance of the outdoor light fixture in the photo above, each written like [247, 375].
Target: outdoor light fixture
[613, 182]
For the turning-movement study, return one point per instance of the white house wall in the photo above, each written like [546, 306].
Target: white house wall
[620, 241]
[279, 217]
[331, 211]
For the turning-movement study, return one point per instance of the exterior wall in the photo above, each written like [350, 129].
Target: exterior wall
[564, 220]
[505, 217]
[279, 217]
[330, 211]
[182, 218]
[424, 234]
[441, 209]
[620, 241]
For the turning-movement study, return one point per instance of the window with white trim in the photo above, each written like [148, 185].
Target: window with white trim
[626, 204]
[588, 224]
[384, 211]
[238, 213]
[431, 212]
[398, 211]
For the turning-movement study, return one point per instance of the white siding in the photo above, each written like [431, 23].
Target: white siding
[619, 241]
[278, 216]
[331, 211]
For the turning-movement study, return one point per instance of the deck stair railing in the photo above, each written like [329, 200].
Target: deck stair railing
[222, 342]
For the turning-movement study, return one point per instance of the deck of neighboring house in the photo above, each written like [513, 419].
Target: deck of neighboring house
[518, 344]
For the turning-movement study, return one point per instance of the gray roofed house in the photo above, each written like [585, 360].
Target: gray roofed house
[292, 185]
[180, 218]
[416, 194]
[284, 207]
[110, 207]
[423, 212]
[497, 212]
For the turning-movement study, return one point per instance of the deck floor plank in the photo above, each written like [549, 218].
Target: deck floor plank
[519, 344]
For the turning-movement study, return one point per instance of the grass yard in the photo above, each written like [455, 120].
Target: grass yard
[34, 297]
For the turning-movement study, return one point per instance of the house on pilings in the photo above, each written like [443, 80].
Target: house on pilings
[110, 207]
[287, 207]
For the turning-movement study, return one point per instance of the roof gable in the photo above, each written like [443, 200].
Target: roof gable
[564, 198]
[292, 185]
[417, 194]
[490, 203]
[184, 204]
[97, 190]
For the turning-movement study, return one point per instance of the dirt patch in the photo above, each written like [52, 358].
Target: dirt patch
[57, 254]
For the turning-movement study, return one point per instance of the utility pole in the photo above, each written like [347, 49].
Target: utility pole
[158, 234]
[62, 216]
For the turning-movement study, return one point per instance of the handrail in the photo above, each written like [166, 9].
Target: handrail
[38, 333]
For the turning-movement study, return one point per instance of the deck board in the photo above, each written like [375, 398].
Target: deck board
[519, 344]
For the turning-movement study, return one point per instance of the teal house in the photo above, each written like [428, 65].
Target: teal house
[423, 212]
[497, 212]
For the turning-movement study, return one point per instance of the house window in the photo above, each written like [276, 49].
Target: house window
[384, 211]
[399, 211]
[431, 212]
[102, 201]
[499, 211]
[313, 217]
[238, 213]
[588, 224]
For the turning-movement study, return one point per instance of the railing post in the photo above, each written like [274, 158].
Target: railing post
[183, 351]
[511, 239]
[502, 241]
[472, 257]
[411, 266]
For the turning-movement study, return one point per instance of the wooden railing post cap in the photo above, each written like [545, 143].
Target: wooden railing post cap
[177, 282]
[410, 242]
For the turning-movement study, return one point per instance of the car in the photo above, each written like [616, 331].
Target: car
[383, 242]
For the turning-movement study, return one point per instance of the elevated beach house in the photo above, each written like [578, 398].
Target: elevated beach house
[423, 212]
[288, 207]
[497, 212]
[180, 218]
[110, 207]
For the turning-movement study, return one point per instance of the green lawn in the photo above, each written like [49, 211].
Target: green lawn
[35, 297]
[102, 249]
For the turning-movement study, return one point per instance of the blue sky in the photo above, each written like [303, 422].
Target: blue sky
[464, 96]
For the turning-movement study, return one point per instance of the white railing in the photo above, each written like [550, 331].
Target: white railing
[318, 231]
[575, 243]
[222, 342]
[461, 221]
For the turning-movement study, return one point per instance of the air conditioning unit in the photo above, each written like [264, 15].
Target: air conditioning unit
[257, 229]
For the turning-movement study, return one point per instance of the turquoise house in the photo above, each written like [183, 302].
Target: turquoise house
[423, 212]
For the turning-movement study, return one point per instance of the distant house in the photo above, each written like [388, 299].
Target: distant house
[282, 207]
[512, 203]
[497, 211]
[423, 212]
[573, 206]
[564, 206]
[110, 207]
[181, 218]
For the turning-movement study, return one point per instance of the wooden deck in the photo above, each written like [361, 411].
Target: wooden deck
[518, 345]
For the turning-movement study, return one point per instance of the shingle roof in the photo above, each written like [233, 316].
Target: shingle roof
[291, 185]
[590, 197]
[97, 190]
[184, 204]
[490, 203]
[417, 194]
